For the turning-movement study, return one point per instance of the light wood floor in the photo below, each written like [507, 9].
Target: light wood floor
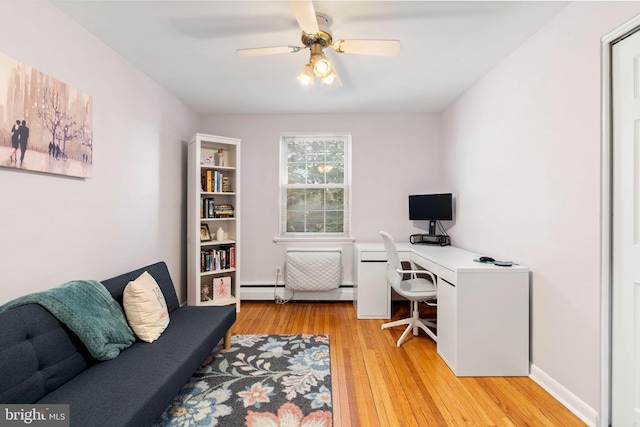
[377, 384]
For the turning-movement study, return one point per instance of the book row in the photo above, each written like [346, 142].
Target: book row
[209, 209]
[215, 182]
[218, 288]
[223, 258]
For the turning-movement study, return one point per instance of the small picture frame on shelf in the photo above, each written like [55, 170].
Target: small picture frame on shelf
[222, 287]
[206, 293]
[205, 235]
[206, 161]
[207, 157]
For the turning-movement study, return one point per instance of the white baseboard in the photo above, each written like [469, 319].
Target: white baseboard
[261, 291]
[579, 408]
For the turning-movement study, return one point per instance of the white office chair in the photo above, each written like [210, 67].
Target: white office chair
[414, 289]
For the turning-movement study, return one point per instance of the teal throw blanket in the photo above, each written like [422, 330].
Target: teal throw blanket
[89, 310]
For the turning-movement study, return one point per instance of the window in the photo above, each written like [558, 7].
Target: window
[314, 185]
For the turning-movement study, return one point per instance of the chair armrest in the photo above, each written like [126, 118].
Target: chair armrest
[414, 272]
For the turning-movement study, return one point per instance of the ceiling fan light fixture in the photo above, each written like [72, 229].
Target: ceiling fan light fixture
[332, 81]
[322, 67]
[329, 79]
[306, 76]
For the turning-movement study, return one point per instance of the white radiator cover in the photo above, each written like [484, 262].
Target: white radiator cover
[313, 270]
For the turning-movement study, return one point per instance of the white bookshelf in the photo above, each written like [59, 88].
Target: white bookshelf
[207, 200]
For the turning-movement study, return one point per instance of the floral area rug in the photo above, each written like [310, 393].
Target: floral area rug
[262, 380]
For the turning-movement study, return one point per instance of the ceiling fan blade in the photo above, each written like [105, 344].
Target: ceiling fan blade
[368, 47]
[305, 14]
[274, 50]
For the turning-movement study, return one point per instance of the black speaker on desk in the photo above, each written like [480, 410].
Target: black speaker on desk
[430, 239]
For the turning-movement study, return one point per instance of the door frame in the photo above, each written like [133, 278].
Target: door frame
[606, 236]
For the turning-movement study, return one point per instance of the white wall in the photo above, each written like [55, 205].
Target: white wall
[131, 213]
[393, 155]
[521, 150]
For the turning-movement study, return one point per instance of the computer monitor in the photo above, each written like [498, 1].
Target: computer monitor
[432, 208]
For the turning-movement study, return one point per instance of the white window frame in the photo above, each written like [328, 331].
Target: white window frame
[284, 186]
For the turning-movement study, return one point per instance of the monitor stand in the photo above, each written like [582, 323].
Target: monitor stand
[432, 227]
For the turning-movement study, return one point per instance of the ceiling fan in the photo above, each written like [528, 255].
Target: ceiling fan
[316, 37]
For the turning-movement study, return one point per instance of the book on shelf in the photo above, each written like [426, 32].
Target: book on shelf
[205, 180]
[207, 207]
[232, 257]
[224, 211]
[221, 287]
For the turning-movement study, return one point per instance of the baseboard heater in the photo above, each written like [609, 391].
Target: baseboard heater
[313, 270]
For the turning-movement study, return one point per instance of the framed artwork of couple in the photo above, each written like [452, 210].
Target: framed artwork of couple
[45, 125]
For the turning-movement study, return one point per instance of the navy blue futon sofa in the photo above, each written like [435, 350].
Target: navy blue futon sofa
[43, 362]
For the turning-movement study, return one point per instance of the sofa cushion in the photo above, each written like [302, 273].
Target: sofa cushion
[133, 389]
[37, 354]
[145, 308]
[158, 271]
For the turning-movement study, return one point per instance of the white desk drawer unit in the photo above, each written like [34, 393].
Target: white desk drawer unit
[483, 309]
[372, 295]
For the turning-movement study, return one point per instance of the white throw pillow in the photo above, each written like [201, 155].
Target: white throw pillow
[145, 307]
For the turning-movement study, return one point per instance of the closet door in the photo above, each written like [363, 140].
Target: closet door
[625, 393]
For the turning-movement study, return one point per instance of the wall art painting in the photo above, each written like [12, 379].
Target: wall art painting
[45, 125]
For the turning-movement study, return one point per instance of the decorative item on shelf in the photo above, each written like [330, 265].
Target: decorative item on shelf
[205, 235]
[226, 184]
[221, 287]
[220, 160]
[207, 157]
[206, 160]
[206, 292]
[220, 234]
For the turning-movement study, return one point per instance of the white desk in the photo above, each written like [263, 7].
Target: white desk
[483, 309]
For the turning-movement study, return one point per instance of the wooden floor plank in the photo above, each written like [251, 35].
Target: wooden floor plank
[375, 383]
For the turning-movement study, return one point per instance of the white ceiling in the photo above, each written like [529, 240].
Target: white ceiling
[189, 48]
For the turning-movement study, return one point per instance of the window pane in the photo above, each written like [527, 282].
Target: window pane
[296, 200]
[315, 199]
[335, 221]
[314, 176]
[296, 152]
[295, 222]
[335, 198]
[335, 174]
[297, 173]
[315, 222]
